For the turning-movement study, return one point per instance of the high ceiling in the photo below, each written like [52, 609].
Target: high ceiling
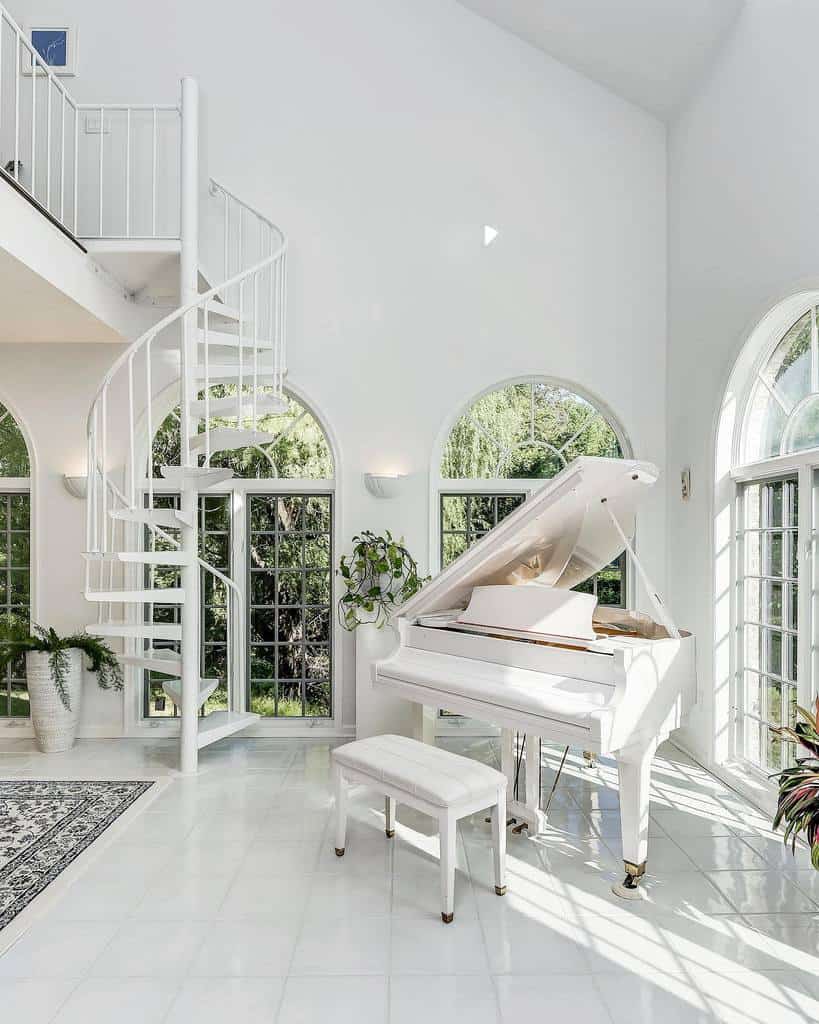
[651, 52]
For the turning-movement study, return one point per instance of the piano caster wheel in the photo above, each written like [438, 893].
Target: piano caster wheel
[339, 851]
[630, 888]
[500, 890]
[389, 832]
[589, 760]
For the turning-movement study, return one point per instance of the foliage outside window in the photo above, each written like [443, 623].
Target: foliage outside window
[299, 451]
[525, 431]
[15, 560]
[289, 565]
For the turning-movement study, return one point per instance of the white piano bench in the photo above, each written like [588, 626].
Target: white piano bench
[436, 782]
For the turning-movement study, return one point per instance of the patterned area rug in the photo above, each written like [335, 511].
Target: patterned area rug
[44, 826]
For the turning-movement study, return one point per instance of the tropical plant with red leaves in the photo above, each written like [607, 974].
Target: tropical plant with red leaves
[798, 805]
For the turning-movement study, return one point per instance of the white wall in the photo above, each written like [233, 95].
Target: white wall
[742, 235]
[382, 135]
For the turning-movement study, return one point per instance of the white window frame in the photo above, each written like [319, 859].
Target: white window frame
[804, 466]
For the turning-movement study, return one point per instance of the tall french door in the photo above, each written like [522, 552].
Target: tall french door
[277, 546]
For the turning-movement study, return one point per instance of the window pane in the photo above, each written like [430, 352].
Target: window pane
[290, 604]
[769, 652]
[14, 577]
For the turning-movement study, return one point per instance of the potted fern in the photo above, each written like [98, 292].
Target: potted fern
[798, 805]
[378, 577]
[54, 677]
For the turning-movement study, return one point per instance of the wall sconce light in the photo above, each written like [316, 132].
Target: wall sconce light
[388, 485]
[77, 486]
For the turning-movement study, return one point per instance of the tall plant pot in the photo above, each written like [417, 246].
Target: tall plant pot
[54, 726]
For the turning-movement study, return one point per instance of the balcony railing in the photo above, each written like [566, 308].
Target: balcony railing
[99, 170]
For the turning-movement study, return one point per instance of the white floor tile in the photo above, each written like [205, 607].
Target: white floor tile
[246, 898]
[334, 897]
[350, 946]
[428, 946]
[669, 998]
[527, 940]
[33, 1000]
[686, 890]
[779, 855]
[275, 859]
[762, 892]
[246, 949]
[197, 898]
[721, 853]
[161, 948]
[350, 1000]
[443, 999]
[220, 1000]
[57, 949]
[756, 997]
[125, 1000]
[553, 997]
[94, 899]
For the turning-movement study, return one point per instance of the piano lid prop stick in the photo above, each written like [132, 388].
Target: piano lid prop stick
[657, 601]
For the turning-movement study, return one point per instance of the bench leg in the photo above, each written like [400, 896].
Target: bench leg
[449, 831]
[499, 841]
[341, 810]
[389, 816]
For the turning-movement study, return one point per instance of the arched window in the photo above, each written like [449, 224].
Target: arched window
[270, 528]
[15, 553]
[505, 441]
[769, 435]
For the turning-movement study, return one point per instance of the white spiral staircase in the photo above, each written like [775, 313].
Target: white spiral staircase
[231, 334]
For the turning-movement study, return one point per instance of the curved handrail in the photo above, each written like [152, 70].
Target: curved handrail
[178, 314]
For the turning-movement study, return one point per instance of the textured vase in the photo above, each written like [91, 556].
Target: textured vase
[54, 726]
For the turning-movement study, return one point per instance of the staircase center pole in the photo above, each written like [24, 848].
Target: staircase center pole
[188, 269]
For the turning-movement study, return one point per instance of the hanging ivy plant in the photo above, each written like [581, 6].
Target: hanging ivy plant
[378, 577]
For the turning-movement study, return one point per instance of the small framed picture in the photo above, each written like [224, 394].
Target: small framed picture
[56, 44]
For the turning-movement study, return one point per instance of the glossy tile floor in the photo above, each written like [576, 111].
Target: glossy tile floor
[224, 901]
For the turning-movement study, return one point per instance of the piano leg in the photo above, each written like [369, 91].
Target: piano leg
[634, 769]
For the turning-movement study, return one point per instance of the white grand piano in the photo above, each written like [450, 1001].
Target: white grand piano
[500, 636]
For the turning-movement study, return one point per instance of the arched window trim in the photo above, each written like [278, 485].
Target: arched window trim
[25, 484]
[136, 724]
[501, 485]
[733, 476]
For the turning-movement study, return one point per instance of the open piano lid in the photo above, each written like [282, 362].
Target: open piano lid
[559, 536]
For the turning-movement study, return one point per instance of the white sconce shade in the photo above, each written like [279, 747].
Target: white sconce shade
[384, 486]
[77, 486]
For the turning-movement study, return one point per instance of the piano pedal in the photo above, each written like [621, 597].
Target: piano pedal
[509, 821]
[589, 760]
[518, 829]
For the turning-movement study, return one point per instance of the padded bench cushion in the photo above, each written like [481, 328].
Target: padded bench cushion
[421, 770]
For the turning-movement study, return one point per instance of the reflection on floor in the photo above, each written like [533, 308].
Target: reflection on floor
[225, 900]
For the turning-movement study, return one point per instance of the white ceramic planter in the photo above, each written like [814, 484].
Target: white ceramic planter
[377, 713]
[54, 726]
